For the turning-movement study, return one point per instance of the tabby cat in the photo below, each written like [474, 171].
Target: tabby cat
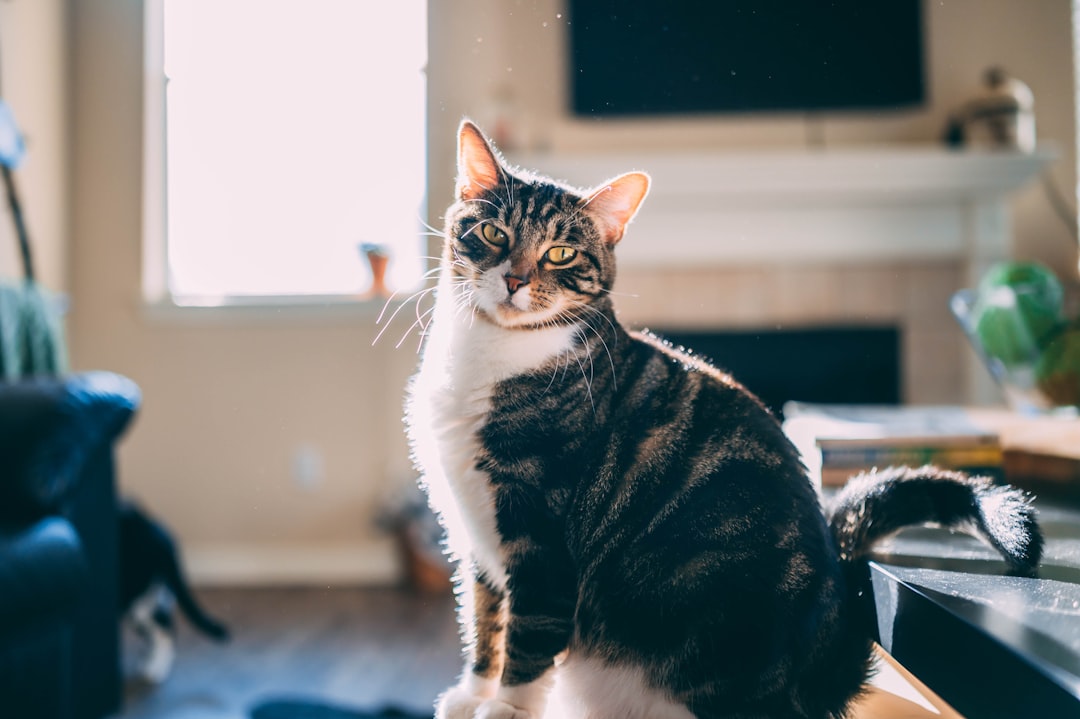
[633, 527]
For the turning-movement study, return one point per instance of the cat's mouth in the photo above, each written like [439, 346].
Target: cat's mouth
[495, 304]
[518, 312]
[508, 314]
[527, 307]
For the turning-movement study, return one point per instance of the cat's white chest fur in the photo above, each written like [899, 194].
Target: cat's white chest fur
[450, 397]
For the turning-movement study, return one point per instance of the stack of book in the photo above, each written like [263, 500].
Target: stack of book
[840, 441]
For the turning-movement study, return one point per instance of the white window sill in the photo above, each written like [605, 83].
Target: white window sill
[243, 310]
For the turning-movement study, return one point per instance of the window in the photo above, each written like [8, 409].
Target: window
[282, 136]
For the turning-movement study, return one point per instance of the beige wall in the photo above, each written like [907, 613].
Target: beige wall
[228, 397]
[33, 56]
[482, 47]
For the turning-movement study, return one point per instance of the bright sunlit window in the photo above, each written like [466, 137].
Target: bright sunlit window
[291, 137]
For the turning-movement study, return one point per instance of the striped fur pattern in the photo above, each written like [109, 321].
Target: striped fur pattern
[898, 497]
[632, 526]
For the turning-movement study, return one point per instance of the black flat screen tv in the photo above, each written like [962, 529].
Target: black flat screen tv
[660, 57]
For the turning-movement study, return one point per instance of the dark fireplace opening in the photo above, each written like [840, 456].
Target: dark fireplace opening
[843, 365]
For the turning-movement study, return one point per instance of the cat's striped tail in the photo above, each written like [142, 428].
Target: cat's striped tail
[877, 504]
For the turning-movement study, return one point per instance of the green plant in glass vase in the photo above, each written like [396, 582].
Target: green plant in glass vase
[1017, 322]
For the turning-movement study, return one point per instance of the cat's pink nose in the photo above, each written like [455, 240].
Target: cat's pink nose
[514, 283]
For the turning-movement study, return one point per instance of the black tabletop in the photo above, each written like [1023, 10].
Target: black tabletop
[990, 644]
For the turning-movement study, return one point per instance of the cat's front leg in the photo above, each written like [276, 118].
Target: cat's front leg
[541, 591]
[484, 616]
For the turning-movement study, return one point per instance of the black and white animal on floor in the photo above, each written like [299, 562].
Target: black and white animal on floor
[151, 581]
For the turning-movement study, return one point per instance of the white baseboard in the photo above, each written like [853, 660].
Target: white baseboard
[257, 564]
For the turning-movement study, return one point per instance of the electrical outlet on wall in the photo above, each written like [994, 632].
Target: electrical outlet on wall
[308, 465]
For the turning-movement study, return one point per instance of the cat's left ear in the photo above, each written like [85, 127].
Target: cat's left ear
[478, 167]
[615, 203]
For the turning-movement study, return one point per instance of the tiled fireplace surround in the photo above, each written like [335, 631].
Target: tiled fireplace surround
[775, 240]
[912, 297]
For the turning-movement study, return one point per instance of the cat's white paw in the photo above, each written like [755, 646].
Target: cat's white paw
[497, 709]
[458, 703]
[158, 662]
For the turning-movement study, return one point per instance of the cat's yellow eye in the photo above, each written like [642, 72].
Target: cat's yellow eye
[560, 255]
[494, 235]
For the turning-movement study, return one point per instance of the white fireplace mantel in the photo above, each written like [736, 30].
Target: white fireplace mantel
[836, 206]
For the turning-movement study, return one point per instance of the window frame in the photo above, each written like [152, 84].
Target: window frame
[157, 300]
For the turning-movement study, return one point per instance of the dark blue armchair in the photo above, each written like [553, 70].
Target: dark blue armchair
[59, 634]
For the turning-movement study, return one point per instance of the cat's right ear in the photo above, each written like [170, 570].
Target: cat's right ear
[614, 204]
[477, 165]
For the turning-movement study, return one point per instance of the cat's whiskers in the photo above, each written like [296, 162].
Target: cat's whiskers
[430, 230]
[599, 335]
[473, 227]
[481, 199]
[463, 300]
[418, 296]
[423, 278]
[581, 208]
[552, 323]
[607, 351]
[563, 354]
[508, 183]
[554, 371]
[415, 299]
[620, 294]
[588, 377]
[589, 308]
[422, 324]
[433, 272]
[436, 259]
[418, 323]
[463, 304]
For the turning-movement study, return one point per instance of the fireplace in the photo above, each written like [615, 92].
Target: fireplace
[848, 365]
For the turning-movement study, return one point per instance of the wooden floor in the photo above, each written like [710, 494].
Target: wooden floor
[362, 648]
